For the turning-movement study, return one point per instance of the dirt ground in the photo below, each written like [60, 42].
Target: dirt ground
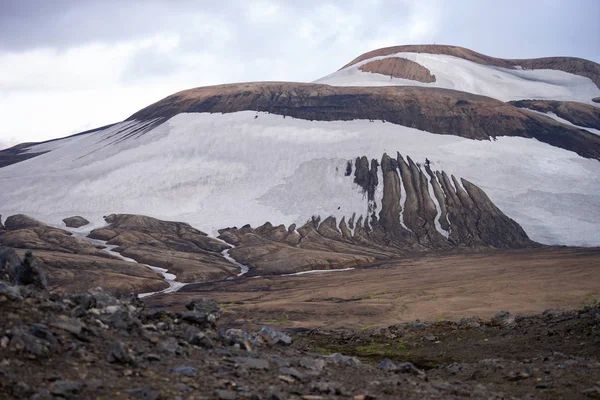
[431, 288]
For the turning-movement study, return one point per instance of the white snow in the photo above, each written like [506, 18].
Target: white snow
[402, 202]
[174, 285]
[221, 170]
[318, 271]
[438, 210]
[459, 74]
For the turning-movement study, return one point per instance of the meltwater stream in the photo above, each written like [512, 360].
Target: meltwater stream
[169, 278]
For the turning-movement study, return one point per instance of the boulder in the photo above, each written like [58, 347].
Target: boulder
[10, 263]
[32, 272]
[75, 222]
[21, 221]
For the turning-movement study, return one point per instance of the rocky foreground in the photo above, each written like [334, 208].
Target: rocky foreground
[93, 345]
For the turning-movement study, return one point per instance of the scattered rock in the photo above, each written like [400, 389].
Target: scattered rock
[273, 337]
[143, 394]
[184, 370]
[119, 353]
[66, 389]
[502, 318]
[10, 292]
[75, 222]
[226, 394]
[251, 363]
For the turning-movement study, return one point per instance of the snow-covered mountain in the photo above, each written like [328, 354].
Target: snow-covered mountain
[231, 155]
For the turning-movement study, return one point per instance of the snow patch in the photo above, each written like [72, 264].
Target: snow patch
[459, 74]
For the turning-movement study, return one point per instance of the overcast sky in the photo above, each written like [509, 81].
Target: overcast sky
[72, 65]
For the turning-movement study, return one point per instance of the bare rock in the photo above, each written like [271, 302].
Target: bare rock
[75, 222]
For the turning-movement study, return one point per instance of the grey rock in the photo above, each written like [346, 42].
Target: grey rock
[294, 373]
[339, 359]
[102, 299]
[143, 394]
[118, 353]
[75, 222]
[251, 363]
[196, 318]
[182, 387]
[10, 292]
[226, 394]
[593, 392]
[325, 387]
[409, 368]
[70, 325]
[22, 390]
[194, 336]
[204, 305]
[314, 364]
[32, 272]
[273, 336]
[22, 341]
[67, 389]
[502, 318]
[10, 263]
[153, 357]
[184, 370]
[470, 322]
[170, 346]
[85, 300]
[387, 365]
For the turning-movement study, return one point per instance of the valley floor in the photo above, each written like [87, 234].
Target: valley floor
[431, 287]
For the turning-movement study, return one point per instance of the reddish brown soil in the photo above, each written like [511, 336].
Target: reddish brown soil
[577, 66]
[399, 68]
[433, 287]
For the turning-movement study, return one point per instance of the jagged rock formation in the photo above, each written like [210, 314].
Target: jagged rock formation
[579, 114]
[399, 68]
[186, 252]
[436, 110]
[572, 65]
[421, 210]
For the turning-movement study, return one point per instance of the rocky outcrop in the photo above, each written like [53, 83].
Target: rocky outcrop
[436, 110]
[176, 246]
[75, 222]
[30, 271]
[25, 232]
[596, 99]
[572, 65]
[579, 114]
[16, 154]
[399, 68]
[73, 263]
[421, 210]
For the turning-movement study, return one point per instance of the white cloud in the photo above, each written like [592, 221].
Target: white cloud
[76, 72]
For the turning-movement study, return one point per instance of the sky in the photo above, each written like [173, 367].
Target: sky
[67, 66]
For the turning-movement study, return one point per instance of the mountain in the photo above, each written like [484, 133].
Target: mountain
[429, 147]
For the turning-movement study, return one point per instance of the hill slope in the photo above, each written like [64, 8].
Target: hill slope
[249, 153]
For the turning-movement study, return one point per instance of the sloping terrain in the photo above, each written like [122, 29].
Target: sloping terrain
[93, 345]
[570, 65]
[275, 152]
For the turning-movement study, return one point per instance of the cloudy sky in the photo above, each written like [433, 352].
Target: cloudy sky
[72, 65]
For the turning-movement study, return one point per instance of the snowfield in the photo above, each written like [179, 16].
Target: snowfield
[221, 170]
[459, 74]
